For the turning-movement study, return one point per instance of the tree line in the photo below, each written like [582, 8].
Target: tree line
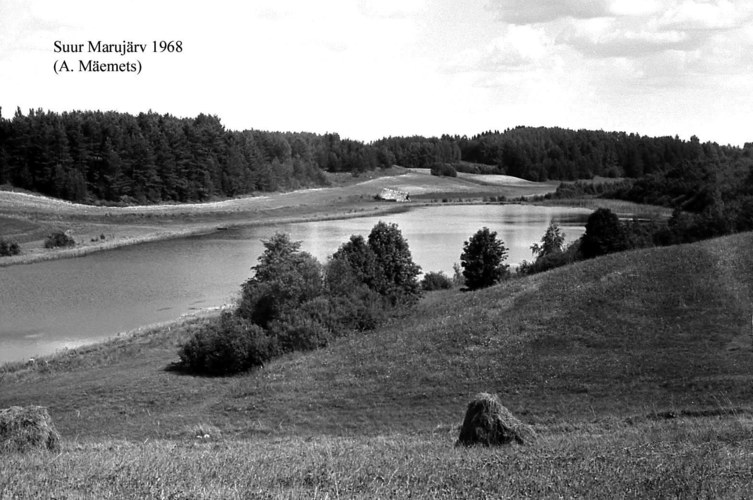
[709, 197]
[94, 156]
[551, 153]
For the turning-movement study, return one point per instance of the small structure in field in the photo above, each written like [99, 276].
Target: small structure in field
[489, 423]
[26, 428]
[389, 194]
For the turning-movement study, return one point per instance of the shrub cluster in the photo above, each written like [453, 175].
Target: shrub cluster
[226, 346]
[436, 281]
[59, 239]
[443, 170]
[9, 248]
[293, 303]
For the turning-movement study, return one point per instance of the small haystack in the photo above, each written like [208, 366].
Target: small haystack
[489, 423]
[27, 428]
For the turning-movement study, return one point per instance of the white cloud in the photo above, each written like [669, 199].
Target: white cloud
[616, 38]
[706, 15]
[518, 48]
[394, 9]
[541, 11]
[635, 8]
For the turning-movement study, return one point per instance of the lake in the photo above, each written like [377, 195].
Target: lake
[65, 303]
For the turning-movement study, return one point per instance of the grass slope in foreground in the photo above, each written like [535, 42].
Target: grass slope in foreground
[598, 356]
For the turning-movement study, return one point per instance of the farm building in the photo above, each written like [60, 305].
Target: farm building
[388, 194]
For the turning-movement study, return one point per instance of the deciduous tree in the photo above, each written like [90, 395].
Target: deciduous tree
[483, 259]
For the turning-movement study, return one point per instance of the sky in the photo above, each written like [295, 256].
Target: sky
[370, 69]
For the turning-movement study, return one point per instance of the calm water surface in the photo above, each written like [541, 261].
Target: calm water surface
[65, 303]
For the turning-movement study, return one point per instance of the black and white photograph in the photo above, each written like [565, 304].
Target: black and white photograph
[361, 249]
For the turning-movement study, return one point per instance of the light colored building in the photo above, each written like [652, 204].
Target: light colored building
[389, 194]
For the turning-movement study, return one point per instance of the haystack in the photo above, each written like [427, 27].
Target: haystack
[27, 428]
[489, 423]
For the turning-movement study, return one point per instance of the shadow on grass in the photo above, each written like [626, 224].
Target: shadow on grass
[179, 368]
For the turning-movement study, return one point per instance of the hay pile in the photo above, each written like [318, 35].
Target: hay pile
[27, 428]
[489, 423]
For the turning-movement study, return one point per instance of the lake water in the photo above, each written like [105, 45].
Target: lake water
[65, 303]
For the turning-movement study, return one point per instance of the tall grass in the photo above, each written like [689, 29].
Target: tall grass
[707, 458]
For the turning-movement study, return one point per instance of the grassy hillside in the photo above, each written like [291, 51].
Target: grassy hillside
[636, 369]
[627, 334]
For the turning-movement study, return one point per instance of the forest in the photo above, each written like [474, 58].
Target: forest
[112, 157]
[541, 153]
[94, 156]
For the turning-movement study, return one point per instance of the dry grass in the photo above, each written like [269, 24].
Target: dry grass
[620, 207]
[27, 428]
[684, 458]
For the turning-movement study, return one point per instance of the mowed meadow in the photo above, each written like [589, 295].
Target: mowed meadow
[635, 370]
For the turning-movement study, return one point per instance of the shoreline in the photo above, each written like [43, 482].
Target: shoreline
[187, 230]
[63, 354]
[101, 228]
[255, 219]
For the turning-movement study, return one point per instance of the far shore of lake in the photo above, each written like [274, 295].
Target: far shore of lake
[28, 218]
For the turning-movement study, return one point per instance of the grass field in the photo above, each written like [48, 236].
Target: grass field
[635, 369]
[681, 459]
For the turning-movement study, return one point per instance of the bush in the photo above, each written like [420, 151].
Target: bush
[350, 303]
[59, 239]
[549, 261]
[604, 234]
[361, 311]
[9, 248]
[354, 263]
[550, 253]
[298, 332]
[443, 170]
[290, 304]
[551, 242]
[284, 279]
[228, 345]
[436, 281]
[482, 259]
[394, 259]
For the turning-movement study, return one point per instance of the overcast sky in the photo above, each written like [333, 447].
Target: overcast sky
[368, 69]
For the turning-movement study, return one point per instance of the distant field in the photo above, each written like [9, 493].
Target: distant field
[413, 182]
[11, 227]
[28, 218]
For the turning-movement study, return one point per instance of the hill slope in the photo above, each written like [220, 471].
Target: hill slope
[657, 330]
